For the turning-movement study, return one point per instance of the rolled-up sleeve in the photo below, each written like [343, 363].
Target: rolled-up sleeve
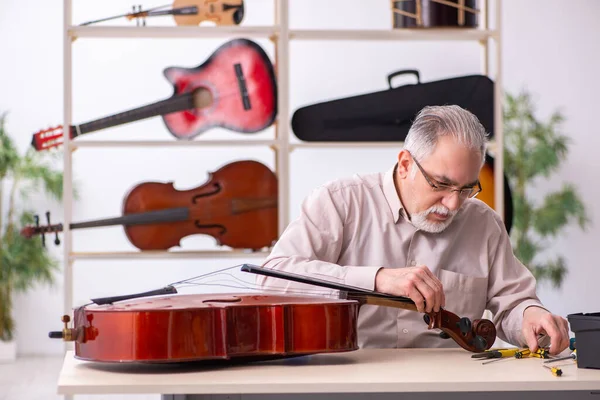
[511, 289]
[311, 246]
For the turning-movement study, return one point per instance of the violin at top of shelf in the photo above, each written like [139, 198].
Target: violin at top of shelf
[235, 88]
[188, 12]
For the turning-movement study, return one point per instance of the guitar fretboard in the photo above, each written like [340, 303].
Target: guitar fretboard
[173, 104]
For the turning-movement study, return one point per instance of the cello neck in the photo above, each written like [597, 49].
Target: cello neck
[361, 295]
[148, 217]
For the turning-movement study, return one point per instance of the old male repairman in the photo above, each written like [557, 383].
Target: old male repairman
[417, 230]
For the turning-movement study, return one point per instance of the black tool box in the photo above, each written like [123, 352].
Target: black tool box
[587, 338]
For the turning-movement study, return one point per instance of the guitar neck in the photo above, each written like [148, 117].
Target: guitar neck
[170, 105]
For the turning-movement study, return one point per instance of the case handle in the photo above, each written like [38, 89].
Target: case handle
[403, 72]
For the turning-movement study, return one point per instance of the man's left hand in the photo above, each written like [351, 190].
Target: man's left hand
[538, 321]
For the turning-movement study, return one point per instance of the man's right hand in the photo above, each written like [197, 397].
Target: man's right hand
[417, 283]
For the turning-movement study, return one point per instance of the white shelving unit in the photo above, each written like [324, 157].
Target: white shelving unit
[281, 35]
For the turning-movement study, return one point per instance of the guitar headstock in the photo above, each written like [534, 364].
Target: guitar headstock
[47, 138]
[30, 231]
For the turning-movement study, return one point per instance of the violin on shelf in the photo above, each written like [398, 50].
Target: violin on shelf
[237, 206]
[235, 88]
[163, 326]
[187, 12]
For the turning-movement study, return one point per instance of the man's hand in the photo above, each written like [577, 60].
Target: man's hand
[417, 283]
[538, 321]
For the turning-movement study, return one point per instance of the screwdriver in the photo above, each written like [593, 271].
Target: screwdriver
[573, 356]
[555, 370]
[521, 353]
[507, 354]
[540, 353]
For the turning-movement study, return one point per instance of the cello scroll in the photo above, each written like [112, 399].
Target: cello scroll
[476, 336]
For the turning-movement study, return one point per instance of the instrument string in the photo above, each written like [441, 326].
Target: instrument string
[233, 281]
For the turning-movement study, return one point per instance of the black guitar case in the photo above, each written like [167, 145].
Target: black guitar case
[387, 115]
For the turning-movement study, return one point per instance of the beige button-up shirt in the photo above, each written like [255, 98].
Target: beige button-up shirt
[350, 228]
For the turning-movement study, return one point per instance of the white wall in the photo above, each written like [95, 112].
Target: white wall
[545, 49]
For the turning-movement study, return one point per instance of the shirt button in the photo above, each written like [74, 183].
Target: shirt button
[405, 330]
[413, 263]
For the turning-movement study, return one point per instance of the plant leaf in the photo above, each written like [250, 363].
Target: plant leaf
[558, 209]
[554, 271]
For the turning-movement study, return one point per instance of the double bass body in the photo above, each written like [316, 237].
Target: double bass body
[213, 327]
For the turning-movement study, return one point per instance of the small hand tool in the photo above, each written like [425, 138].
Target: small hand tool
[496, 353]
[572, 356]
[555, 370]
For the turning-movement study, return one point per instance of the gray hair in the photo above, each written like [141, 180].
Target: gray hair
[435, 121]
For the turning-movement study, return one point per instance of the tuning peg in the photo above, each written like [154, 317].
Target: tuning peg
[37, 225]
[56, 239]
[464, 324]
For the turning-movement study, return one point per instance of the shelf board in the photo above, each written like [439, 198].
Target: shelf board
[268, 31]
[394, 34]
[397, 145]
[172, 31]
[169, 143]
[158, 254]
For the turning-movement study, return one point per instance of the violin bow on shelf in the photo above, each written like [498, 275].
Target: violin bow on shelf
[476, 336]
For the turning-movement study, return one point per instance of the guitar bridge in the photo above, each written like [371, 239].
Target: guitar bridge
[242, 84]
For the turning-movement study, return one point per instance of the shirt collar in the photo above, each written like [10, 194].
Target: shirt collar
[391, 195]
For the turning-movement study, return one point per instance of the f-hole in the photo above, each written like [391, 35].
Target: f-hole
[222, 229]
[217, 189]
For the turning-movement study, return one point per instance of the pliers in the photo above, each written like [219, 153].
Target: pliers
[498, 353]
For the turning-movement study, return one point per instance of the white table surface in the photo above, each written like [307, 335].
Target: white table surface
[361, 371]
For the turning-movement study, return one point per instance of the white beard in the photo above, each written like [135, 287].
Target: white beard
[421, 222]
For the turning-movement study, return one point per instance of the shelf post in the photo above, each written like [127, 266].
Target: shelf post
[485, 43]
[282, 154]
[67, 168]
[498, 117]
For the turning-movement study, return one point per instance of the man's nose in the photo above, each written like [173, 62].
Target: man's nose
[451, 200]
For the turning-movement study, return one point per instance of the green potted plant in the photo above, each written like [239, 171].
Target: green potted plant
[534, 149]
[23, 262]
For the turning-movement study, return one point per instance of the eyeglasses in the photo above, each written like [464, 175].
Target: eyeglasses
[463, 193]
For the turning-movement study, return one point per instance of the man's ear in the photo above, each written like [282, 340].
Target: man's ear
[404, 163]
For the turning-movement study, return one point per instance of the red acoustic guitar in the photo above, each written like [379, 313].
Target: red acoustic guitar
[235, 88]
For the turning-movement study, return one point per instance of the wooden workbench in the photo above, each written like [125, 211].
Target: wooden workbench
[422, 372]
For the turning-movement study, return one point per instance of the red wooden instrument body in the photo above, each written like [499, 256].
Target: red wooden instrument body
[237, 206]
[235, 88]
[238, 62]
[183, 328]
